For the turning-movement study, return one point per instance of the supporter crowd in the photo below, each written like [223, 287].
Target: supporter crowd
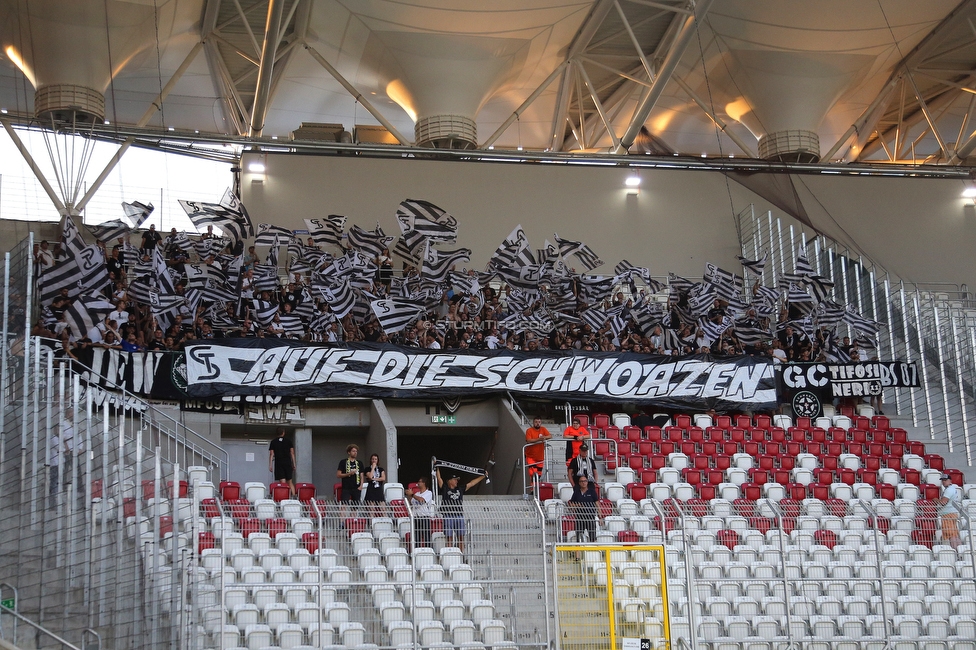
[170, 291]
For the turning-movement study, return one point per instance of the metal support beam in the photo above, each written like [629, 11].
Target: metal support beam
[358, 95]
[715, 118]
[528, 101]
[670, 62]
[143, 121]
[946, 152]
[963, 150]
[247, 26]
[262, 93]
[633, 39]
[34, 168]
[556, 139]
[580, 42]
[871, 113]
[599, 106]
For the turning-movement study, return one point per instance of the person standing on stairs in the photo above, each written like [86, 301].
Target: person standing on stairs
[281, 459]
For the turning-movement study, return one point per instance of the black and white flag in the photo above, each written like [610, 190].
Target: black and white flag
[427, 220]
[581, 251]
[394, 314]
[110, 230]
[326, 231]
[756, 267]
[513, 252]
[340, 296]
[860, 323]
[85, 312]
[229, 216]
[370, 242]
[272, 235]
[802, 266]
[263, 312]
[137, 212]
[438, 264]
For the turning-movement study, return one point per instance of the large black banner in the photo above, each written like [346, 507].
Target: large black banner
[276, 367]
[155, 375]
[807, 386]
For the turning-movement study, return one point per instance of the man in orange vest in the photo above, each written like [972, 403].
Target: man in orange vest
[575, 434]
[535, 455]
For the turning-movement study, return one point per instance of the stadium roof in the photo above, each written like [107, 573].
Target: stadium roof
[788, 80]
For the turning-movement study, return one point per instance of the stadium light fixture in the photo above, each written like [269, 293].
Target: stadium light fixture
[969, 193]
[632, 183]
[256, 167]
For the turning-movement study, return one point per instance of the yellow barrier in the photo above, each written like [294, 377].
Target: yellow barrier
[612, 596]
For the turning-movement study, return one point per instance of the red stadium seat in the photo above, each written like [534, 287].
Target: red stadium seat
[766, 462]
[836, 507]
[744, 507]
[900, 435]
[715, 476]
[743, 421]
[228, 490]
[751, 491]
[867, 476]
[568, 524]
[773, 448]
[834, 449]
[275, 526]
[737, 435]
[692, 476]
[762, 524]
[856, 448]
[249, 525]
[819, 491]
[786, 462]
[209, 507]
[306, 492]
[637, 491]
[706, 491]
[148, 490]
[723, 422]
[796, 491]
[934, 461]
[892, 462]
[165, 525]
[823, 475]
[658, 461]
[601, 420]
[722, 461]
[793, 448]
[829, 462]
[701, 461]
[612, 433]
[880, 422]
[956, 476]
[238, 508]
[635, 462]
[280, 491]
[847, 476]
[818, 435]
[633, 434]
[546, 491]
[648, 476]
[896, 449]
[689, 448]
[715, 434]
[604, 508]
[758, 476]
[848, 411]
[666, 447]
[729, 538]
[826, 538]
[653, 434]
[205, 540]
[184, 489]
[709, 448]
[764, 421]
[601, 448]
[645, 448]
[777, 434]
[862, 422]
[751, 447]
[129, 507]
[803, 422]
[682, 421]
[838, 434]
[696, 434]
[931, 491]
[912, 476]
[355, 525]
[311, 542]
[697, 507]
[628, 536]
[674, 434]
[790, 507]
[781, 476]
[399, 507]
[886, 491]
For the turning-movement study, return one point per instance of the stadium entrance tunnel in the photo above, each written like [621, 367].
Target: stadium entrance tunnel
[471, 446]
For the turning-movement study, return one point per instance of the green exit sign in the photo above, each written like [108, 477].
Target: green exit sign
[443, 419]
[9, 603]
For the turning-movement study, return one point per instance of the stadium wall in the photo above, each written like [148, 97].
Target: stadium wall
[919, 229]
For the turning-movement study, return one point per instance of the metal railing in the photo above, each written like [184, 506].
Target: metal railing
[932, 324]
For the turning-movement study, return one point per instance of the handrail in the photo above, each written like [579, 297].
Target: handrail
[205, 445]
[523, 418]
[39, 628]
[877, 547]
[774, 506]
[16, 603]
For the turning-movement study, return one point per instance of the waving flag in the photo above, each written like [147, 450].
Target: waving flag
[756, 267]
[581, 251]
[137, 212]
[327, 230]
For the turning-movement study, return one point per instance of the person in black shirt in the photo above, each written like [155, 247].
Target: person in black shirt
[582, 465]
[281, 459]
[376, 478]
[583, 505]
[452, 506]
[350, 471]
[150, 238]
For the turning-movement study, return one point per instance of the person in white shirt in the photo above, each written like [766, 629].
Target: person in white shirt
[120, 315]
[422, 503]
[950, 505]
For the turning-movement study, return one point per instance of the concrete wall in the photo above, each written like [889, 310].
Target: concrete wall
[919, 229]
